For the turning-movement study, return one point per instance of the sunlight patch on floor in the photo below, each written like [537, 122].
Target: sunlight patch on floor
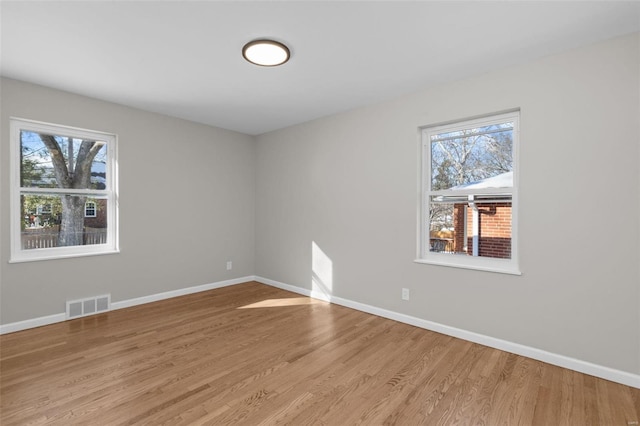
[276, 303]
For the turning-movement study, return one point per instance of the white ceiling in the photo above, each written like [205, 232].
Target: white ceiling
[184, 58]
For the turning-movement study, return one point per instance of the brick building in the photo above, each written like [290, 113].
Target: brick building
[494, 229]
[485, 219]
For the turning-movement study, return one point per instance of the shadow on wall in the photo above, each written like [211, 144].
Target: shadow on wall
[321, 274]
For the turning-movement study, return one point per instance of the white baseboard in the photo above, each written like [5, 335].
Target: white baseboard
[596, 370]
[292, 288]
[32, 323]
[52, 319]
[180, 292]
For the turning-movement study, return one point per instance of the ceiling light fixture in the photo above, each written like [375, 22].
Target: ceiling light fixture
[266, 53]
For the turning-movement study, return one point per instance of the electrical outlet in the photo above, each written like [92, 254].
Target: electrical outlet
[229, 265]
[405, 294]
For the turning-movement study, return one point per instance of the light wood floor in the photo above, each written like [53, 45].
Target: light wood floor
[255, 355]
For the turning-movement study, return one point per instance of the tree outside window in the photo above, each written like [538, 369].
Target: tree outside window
[60, 173]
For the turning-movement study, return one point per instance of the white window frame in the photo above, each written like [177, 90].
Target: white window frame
[94, 208]
[110, 193]
[424, 255]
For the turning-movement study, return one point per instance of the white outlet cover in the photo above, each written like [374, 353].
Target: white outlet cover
[405, 294]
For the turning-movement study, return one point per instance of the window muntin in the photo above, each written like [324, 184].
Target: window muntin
[58, 173]
[469, 194]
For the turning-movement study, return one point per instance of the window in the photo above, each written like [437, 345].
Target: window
[59, 176]
[469, 194]
[44, 208]
[90, 209]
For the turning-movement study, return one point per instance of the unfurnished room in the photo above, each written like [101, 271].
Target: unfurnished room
[320, 213]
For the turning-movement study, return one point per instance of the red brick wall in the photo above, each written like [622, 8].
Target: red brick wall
[495, 229]
[100, 221]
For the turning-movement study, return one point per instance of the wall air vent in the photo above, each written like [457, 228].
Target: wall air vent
[89, 306]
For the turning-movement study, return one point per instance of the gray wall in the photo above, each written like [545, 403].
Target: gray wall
[349, 183]
[186, 206]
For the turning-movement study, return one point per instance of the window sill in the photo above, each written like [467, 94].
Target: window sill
[496, 266]
[22, 259]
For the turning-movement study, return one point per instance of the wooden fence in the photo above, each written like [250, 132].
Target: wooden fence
[34, 238]
[441, 241]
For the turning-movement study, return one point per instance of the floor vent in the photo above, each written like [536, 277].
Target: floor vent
[89, 306]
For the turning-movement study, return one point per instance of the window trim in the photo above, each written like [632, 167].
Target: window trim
[424, 256]
[110, 193]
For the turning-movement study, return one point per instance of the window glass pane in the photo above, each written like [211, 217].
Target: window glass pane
[441, 227]
[65, 225]
[481, 156]
[480, 228]
[51, 161]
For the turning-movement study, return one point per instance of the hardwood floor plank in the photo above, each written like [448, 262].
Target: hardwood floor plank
[256, 355]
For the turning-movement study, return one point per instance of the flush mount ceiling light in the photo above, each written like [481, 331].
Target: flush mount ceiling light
[266, 53]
